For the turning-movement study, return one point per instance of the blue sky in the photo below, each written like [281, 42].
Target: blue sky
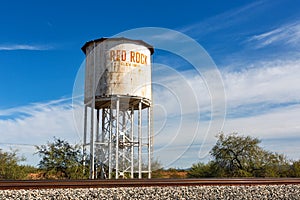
[254, 44]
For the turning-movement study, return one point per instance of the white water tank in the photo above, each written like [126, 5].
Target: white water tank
[117, 66]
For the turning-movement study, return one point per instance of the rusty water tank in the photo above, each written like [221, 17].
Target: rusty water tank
[117, 67]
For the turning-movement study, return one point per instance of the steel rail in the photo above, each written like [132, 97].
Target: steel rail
[50, 184]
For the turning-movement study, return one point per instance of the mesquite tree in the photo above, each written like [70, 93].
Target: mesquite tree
[235, 155]
[59, 159]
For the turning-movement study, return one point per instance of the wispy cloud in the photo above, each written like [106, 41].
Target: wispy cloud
[39, 122]
[287, 34]
[32, 109]
[223, 20]
[256, 88]
[268, 82]
[14, 47]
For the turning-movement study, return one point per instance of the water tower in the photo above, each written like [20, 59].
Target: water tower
[118, 108]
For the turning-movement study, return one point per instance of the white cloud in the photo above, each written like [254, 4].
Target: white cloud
[288, 34]
[265, 102]
[272, 82]
[13, 47]
[267, 84]
[282, 122]
[35, 124]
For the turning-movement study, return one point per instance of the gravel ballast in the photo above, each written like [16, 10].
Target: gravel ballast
[183, 192]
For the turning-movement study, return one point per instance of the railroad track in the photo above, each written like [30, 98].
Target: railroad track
[47, 184]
